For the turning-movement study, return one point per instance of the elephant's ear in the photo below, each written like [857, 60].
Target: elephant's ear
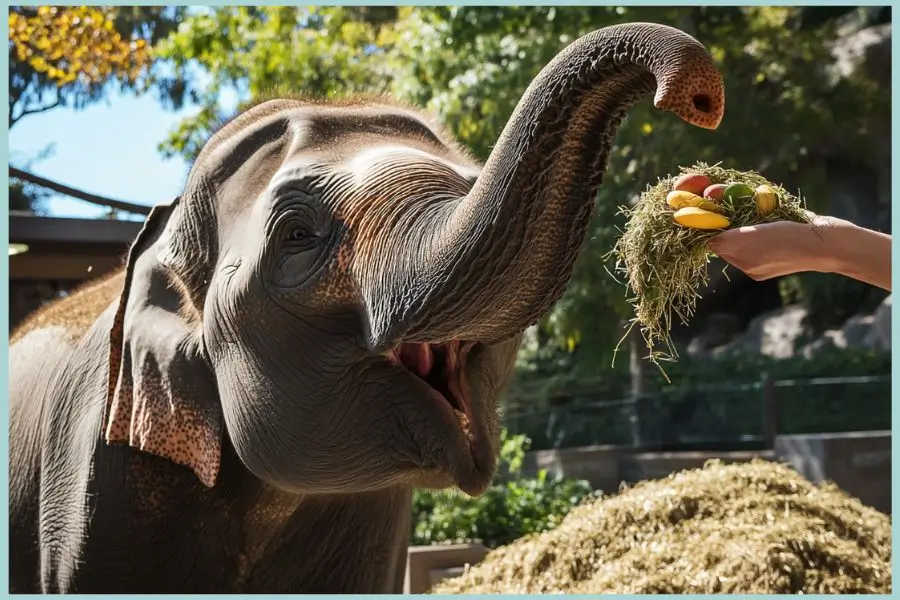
[162, 397]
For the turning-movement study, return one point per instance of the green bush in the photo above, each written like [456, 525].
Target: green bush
[744, 367]
[508, 510]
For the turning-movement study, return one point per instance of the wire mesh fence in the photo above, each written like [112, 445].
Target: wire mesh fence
[743, 415]
[818, 405]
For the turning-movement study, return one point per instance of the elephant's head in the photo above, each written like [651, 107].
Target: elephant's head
[340, 290]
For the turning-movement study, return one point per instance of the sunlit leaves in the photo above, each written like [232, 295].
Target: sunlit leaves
[78, 43]
[258, 51]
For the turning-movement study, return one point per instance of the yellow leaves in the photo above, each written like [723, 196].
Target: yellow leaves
[68, 44]
[40, 64]
[647, 128]
[354, 33]
[774, 17]
[387, 36]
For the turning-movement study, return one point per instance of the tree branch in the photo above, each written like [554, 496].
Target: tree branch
[86, 196]
[34, 111]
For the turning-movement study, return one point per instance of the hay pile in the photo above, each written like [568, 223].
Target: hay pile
[750, 528]
[664, 263]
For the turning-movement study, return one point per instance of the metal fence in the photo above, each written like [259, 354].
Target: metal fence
[746, 415]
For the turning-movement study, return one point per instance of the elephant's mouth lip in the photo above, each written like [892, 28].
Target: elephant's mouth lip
[441, 366]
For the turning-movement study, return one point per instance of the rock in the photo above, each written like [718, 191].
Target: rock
[718, 329]
[859, 332]
[868, 49]
[830, 340]
[883, 323]
[781, 333]
[774, 334]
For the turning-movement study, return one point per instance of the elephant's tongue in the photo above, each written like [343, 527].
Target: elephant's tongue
[442, 368]
[417, 358]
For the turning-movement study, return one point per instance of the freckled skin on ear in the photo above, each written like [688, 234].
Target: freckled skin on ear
[325, 319]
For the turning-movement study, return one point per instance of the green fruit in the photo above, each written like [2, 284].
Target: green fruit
[736, 192]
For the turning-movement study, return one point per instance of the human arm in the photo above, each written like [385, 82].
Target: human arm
[826, 245]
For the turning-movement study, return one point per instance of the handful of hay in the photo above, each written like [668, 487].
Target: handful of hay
[749, 528]
[663, 252]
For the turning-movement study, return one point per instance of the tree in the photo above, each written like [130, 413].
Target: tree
[70, 56]
[73, 56]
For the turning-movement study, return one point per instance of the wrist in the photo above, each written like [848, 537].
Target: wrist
[852, 251]
[832, 249]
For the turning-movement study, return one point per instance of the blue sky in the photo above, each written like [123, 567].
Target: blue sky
[108, 148]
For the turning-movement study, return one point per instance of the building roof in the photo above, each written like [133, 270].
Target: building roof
[68, 249]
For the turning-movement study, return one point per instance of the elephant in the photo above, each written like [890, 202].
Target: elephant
[323, 321]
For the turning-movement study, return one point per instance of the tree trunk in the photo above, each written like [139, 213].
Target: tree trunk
[637, 366]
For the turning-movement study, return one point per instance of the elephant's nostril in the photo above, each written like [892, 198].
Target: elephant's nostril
[703, 103]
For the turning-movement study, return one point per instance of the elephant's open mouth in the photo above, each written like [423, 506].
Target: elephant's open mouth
[441, 367]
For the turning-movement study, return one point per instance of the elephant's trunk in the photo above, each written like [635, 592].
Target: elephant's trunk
[502, 255]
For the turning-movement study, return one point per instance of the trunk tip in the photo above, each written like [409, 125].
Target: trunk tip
[696, 93]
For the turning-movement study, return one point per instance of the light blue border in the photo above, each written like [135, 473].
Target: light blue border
[4, 301]
[4, 227]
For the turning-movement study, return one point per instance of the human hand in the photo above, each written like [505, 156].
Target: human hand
[781, 248]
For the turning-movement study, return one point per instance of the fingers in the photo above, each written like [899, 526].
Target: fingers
[723, 240]
[758, 276]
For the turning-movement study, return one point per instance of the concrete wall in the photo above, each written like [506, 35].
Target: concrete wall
[606, 467]
[427, 565]
[858, 462]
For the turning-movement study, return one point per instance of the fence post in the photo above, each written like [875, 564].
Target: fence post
[769, 412]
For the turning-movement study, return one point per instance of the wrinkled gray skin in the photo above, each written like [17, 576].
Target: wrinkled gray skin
[278, 323]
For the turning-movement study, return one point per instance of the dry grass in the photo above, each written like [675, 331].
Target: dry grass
[749, 528]
[665, 264]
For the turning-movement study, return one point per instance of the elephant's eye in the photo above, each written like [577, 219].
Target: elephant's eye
[301, 238]
[298, 235]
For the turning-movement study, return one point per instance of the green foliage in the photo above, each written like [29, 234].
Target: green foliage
[743, 367]
[260, 51]
[507, 511]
